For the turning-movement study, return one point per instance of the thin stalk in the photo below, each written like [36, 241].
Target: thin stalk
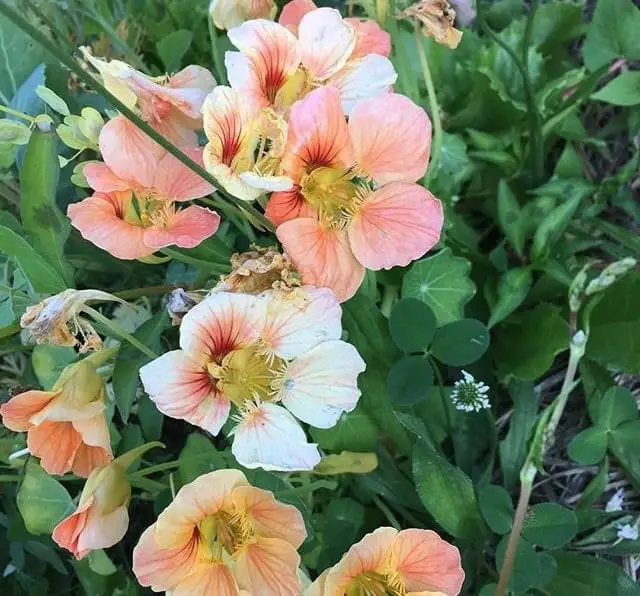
[17, 114]
[434, 108]
[85, 77]
[169, 465]
[389, 297]
[119, 331]
[218, 62]
[178, 256]
[445, 403]
[393, 520]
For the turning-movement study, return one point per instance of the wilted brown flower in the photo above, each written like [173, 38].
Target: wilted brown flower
[180, 303]
[437, 18]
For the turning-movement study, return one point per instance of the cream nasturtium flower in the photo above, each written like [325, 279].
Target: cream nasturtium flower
[226, 14]
[275, 358]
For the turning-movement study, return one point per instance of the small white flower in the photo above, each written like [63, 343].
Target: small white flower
[616, 502]
[627, 532]
[470, 395]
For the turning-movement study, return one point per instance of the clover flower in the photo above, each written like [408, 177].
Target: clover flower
[470, 395]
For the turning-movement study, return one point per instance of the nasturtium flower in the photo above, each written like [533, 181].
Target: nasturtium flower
[133, 210]
[66, 427]
[355, 204]
[274, 68]
[227, 14]
[171, 104]
[385, 562]
[275, 357]
[437, 18]
[221, 536]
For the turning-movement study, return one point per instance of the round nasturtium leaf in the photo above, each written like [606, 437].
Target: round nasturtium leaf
[410, 380]
[461, 342]
[550, 525]
[412, 325]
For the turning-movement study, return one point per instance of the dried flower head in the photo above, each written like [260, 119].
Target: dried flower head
[437, 18]
[258, 270]
[57, 319]
[180, 303]
[470, 395]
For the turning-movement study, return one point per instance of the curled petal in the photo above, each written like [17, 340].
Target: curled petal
[283, 206]
[397, 224]
[16, 413]
[103, 530]
[292, 13]
[67, 533]
[67, 440]
[186, 228]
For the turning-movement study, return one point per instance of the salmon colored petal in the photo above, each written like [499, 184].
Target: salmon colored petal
[19, 409]
[269, 567]
[283, 206]
[162, 568]
[269, 437]
[88, 458]
[273, 56]
[181, 388]
[102, 179]
[99, 220]
[178, 129]
[67, 532]
[186, 228]
[193, 77]
[318, 135]
[371, 554]
[220, 323]
[129, 152]
[322, 257]
[397, 224]
[103, 530]
[94, 431]
[426, 562]
[391, 138]
[292, 13]
[270, 517]
[292, 328]
[370, 38]
[208, 579]
[178, 182]
[363, 79]
[66, 439]
[323, 383]
[326, 41]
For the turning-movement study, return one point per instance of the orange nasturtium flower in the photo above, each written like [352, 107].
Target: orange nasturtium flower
[388, 562]
[66, 427]
[221, 536]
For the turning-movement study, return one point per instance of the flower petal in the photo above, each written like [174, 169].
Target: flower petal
[323, 383]
[20, 408]
[181, 388]
[322, 257]
[426, 562]
[178, 182]
[370, 38]
[267, 183]
[61, 434]
[269, 437]
[283, 206]
[398, 223]
[88, 458]
[103, 530]
[186, 228]
[67, 532]
[391, 138]
[102, 179]
[208, 579]
[326, 42]
[292, 13]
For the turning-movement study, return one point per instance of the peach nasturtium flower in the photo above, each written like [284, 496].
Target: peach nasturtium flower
[231, 13]
[221, 536]
[133, 210]
[66, 427]
[355, 203]
[170, 104]
[274, 68]
[275, 358]
[400, 563]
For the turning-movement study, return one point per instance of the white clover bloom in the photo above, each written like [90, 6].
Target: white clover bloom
[627, 532]
[470, 395]
[616, 502]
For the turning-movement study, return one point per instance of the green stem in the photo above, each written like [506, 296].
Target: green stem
[434, 108]
[118, 331]
[393, 520]
[389, 297]
[85, 77]
[169, 465]
[307, 488]
[178, 256]
[215, 52]
[16, 113]
[443, 398]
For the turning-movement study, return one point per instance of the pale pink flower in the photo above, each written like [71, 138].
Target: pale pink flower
[355, 204]
[133, 211]
[221, 536]
[275, 357]
[227, 14]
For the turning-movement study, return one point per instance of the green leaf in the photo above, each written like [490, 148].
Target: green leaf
[510, 217]
[614, 337]
[412, 325]
[550, 525]
[624, 90]
[130, 360]
[53, 100]
[579, 574]
[526, 347]
[100, 563]
[49, 361]
[410, 380]
[173, 47]
[355, 431]
[14, 132]
[613, 33]
[595, 488]
[441, 281]
[151, 419]
[497, 508]
[589, 446]
[346, 514]
[447, 493]
[513, 288]
[529, 567]
[42, 276]
[624, 443]
[199, 456]
[43, 502]
[461, 342]
[616, 406]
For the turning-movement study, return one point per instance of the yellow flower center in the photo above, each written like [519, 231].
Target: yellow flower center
[146, 210]
[376, 584]
[224, 532]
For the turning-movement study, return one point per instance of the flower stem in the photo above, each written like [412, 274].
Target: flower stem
[434, 108]
[393, 520]
[119, 331]
[17, 114]
[443, 398]
[218, 63]
[169, 465]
